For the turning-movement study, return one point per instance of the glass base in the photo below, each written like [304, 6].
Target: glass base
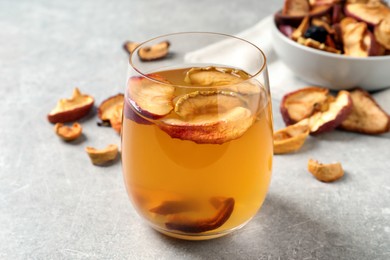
[200, 236]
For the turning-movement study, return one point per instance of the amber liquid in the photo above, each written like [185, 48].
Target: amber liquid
[158, 168]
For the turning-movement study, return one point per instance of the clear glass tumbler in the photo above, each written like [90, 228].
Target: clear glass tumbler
[197, 142]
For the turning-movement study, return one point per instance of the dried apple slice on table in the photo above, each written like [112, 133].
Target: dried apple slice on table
[68, 133]
[230, 79]
[302, 103]
[151, 96]
[290, 139]
[209, 117]
[111, 110]
[130, 46]
[325, 172]
[367, 116]
[338, 111]
[72, 109]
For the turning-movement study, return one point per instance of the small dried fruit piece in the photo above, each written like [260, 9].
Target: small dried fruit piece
[231, 79]
[382, 32]
[367, 116]
[290, 139]
[302, 103]
[68, 133]
[353, 33]
[111, 110]
[370, 43]
[151, 96]
[103, 156]
[155, 52]
[325, 172]
[338, 111]
[317, 45]
[211, 129]
[296, 7]
[130, 46]
[287, 30]
[371, 13]
[189, 225]
[71, 109]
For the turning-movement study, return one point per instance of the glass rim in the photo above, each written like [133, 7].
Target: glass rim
[146, 75]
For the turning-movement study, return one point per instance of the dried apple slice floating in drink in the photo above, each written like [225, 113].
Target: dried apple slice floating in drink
[367, 116]
[72, 109]
[338, 111]
[151, 96]
[111, 110]
[193, 225]
[230, 79]
[209, 117]
[291, 138]
[207, 103]
[302, 103]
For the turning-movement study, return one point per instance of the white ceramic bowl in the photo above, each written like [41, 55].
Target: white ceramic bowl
[330, 70]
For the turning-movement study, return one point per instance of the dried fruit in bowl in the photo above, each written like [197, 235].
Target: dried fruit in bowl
[367, 116]
[110, 110]
[354, 28]
[72, 109]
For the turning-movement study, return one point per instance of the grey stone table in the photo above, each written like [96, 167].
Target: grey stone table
[55, 205]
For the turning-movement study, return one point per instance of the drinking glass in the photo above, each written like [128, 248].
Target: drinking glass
[197, 130]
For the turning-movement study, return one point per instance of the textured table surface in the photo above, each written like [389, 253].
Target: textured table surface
[55, 205]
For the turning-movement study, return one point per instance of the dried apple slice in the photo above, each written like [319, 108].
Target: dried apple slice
[130, 46]
[302, 103]
[207, 104]
[371, 13]
[296, 7]
[325, 172]
[337, 112]
[155, 52]
[230, 79]
[353, 33]
[72, 109]
[382, 32]
[317, 45]
[287, 30]
[211, 128]
[68, 133]
[367, 116]
[151, 96]
[111, 110]
[291, 138]
[372, 45]
[102, 156]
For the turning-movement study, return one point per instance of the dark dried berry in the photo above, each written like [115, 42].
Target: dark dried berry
[317, 33]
